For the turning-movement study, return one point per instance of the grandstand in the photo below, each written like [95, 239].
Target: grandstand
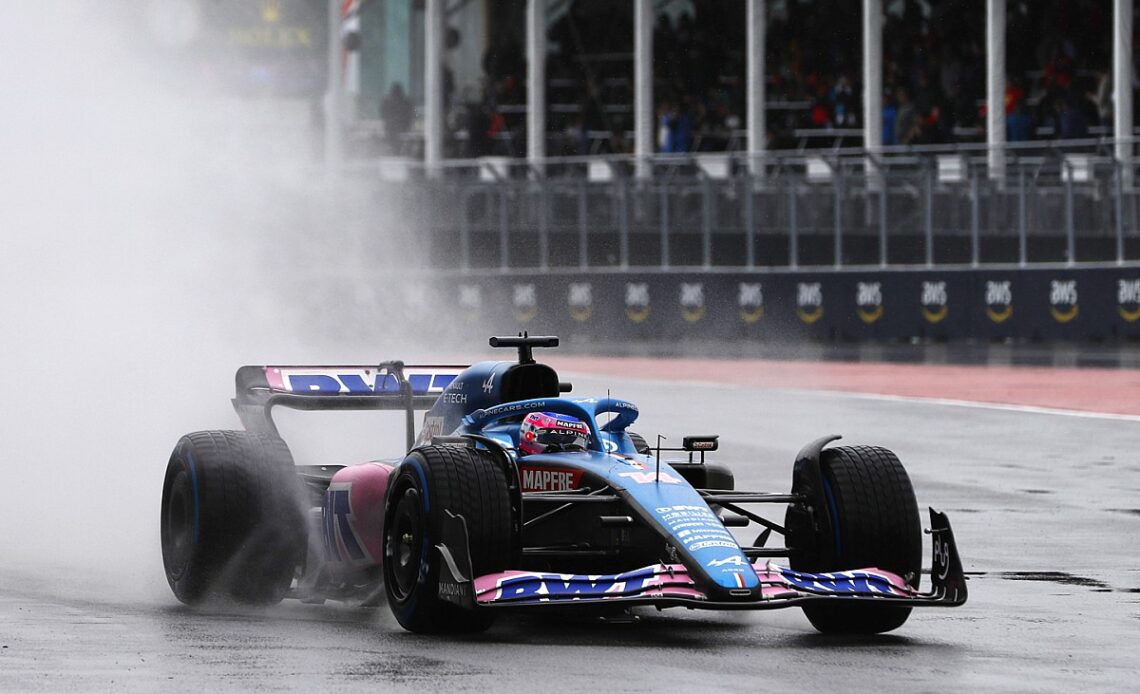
[758, 138]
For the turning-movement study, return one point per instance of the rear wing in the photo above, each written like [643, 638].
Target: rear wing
[391, 385]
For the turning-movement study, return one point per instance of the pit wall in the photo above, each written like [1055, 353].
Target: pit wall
[1084, 304]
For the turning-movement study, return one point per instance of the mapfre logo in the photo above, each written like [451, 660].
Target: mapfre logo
[470, 300]
[525, 302]
[935, 302]
[549, 479]
[809, 301]
[1063, 300]
[999, 300]
[869, 301]
[581, 301]
[636, 301]
[692, 301]
[1128, 299]
[750, 299]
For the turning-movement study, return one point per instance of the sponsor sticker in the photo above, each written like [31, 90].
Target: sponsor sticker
[750, 300]
[580, 300]
[999, 300]
[692, 301]
[1128, 299]
[809, 301]
[544, 479]
[935, 301]
[470, 299]
[869, 301]
[650, 477]
[1063, 300]
[525, 302]
[637, 301]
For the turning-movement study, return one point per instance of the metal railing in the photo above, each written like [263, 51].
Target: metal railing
[1064, 203]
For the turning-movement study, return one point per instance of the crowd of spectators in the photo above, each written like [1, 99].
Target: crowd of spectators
[934, 75]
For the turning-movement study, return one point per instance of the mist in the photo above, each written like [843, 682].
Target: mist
[155, 236]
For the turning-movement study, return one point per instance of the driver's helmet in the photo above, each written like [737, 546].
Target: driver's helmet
[546, 432]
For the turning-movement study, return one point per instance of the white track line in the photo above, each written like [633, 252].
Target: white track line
[948, 402]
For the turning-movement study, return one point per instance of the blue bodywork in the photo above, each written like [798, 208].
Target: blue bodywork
[472, 405]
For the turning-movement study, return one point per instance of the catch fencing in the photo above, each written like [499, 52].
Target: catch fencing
[908, 244]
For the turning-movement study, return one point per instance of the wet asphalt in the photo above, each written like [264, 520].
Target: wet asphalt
[1045, 508]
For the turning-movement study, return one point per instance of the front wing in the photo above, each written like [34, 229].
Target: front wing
[670, 585]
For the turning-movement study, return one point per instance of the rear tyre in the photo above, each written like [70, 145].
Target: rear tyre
[875, 523]
[232, 525]
[430, 481]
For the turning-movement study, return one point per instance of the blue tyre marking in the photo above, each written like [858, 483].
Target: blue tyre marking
[834, 515]
[194, 483]
[423, 483]
[425, 547]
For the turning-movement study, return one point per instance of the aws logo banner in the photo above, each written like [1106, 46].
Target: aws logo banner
[750, 300]
[1063, 300]
[637, 301]
[581, 301]
[869, 301]
[1128, 299]
[935, 302]
[525, 301]
[809, 301]
[692, 297]
[999, 300]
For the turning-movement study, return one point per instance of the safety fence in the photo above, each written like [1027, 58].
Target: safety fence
[1067, 203]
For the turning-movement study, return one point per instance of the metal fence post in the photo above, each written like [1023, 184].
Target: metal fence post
[623, 230]
[749, 222]
[1070, 229]
[975, 238]
[663, 218]
[793, 231]
[543, 230]
[882, 181]
[838, 188]
[928, 211]
[465, 229]
[1118, 168]
[1022, 221]
[504, 240]
[583, 247]
[706, 222]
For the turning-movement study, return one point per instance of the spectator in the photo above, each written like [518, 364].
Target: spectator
[890, 118]
[908, 124]
[397, 113]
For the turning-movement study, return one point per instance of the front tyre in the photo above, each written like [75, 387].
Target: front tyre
[430, 481]
[874, 523]
[232, 524]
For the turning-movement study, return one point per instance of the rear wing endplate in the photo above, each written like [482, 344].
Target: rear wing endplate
[391, 385]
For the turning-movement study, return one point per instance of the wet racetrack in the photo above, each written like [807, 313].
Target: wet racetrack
[1045, 507]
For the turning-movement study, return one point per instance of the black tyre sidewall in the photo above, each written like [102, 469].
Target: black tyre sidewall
[422, 610]
[875, 523]
[249, 529]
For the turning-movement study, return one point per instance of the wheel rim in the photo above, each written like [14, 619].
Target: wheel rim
[405, 543]
[178, 526]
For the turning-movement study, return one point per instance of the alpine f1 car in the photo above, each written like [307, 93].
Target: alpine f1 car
[515, 496]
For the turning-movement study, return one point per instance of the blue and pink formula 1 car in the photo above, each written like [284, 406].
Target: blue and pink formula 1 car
[515, 496]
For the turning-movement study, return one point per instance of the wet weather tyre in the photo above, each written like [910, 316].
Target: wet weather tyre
[233, 527]
[430, 481]
[874, 523]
